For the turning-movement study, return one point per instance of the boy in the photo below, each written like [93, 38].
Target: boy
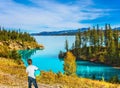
[31, 77]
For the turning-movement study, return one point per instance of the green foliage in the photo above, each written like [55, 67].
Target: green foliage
[77, 50]
[73, 46]
[66, 45]
[70, 64]
[16, 56]
[77, 41]
[114, 79]
[61, 55]
[15, 35]
[101, 58]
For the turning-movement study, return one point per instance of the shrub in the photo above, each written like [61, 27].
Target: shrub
[114, 79]
[70, 64]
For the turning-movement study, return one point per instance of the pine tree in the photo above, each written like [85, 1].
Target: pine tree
[95, 40]
[116, 39]
[77, 46]
[89, 41]
[84, 44]
[77, 41]
[80, 36]
[66, 45]
[101, 38]
[73, 46]
[106, 35]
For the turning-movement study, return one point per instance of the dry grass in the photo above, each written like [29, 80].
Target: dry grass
[12, 74]
[73, 81]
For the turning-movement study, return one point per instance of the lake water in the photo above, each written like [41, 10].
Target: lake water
[47, 59]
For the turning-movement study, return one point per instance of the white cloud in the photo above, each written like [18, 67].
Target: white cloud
[47, 15]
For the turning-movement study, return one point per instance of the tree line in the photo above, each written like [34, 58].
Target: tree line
[6, 35]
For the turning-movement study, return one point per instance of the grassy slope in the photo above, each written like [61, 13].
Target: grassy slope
[12, 75]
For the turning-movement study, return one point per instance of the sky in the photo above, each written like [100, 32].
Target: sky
[54, 15]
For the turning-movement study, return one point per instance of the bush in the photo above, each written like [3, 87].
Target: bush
[4, 52]
[70, 64]
[48, 77]
[114, 79]
[72, 81]
[101, 58]
[16, 56]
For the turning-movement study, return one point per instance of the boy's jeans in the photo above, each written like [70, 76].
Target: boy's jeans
[30, 81]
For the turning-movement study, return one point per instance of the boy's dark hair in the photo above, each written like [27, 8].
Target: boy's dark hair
[29, 61]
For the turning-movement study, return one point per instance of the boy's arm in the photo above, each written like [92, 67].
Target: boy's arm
[37, 68]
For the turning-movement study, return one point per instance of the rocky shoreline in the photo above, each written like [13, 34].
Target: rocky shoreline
[18, 45]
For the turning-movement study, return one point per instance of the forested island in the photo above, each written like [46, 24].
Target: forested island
[96, 45]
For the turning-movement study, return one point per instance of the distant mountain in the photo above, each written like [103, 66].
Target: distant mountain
[117, 28]
[64, 32]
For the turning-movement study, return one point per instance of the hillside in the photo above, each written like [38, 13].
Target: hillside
[18, 78]
[12, 41]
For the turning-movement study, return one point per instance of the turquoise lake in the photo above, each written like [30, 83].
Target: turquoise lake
[47, 59]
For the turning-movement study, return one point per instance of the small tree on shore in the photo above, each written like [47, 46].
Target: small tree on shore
[70, 64]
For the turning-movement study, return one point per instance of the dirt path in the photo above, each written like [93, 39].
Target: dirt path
[11, 81]
[39, 86]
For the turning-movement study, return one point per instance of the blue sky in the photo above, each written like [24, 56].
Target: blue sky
[53, 15]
